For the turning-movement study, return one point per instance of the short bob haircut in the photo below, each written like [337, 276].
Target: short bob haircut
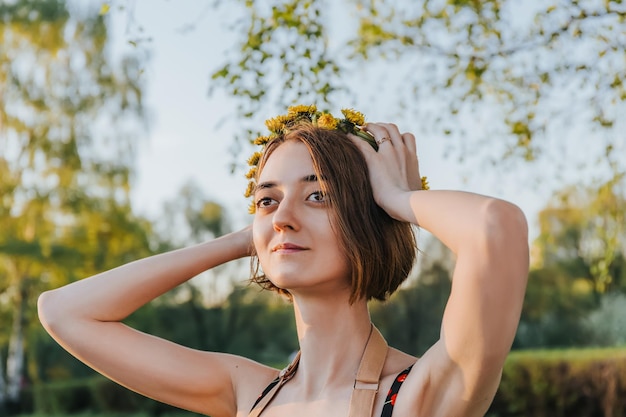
[381, 250]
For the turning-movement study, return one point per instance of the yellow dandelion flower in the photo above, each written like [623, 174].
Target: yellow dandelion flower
[278, 124]
[254, 159]
[302, 108]
[290, 118]
[354, 116]
[249, 189]
[250, 174]
[327, 121]
[261, 140]
[297, 115]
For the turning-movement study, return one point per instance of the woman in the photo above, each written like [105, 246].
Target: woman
[331, 230]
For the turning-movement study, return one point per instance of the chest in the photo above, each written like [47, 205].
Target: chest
[290, 401]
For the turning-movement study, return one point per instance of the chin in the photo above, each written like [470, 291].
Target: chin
[285, 283]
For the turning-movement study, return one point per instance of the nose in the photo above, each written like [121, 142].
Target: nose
[286, 216]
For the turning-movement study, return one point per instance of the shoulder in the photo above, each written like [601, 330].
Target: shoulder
[249, 379]
[396, 362]
[225, 383]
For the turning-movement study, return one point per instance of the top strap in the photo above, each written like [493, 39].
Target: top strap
[365, 385]
[368, 376]
[284, 376]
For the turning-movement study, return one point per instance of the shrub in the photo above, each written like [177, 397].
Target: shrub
[572, 383]
[607, 325]
[96, 396]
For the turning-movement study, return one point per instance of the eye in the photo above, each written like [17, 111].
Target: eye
[317, 196]
[265, 202]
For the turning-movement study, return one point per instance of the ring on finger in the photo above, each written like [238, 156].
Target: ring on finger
[383, 140]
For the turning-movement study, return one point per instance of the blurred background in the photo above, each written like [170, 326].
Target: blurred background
[125, 127]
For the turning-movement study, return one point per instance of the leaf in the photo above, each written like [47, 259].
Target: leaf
[104, 9]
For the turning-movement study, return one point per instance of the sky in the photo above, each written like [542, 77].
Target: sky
[182, 143]
[187, 40]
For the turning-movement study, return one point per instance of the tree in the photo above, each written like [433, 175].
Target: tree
[523, 80]
[69, 120]
[500, 77]
[188, 218]
[583, 232]
[578, 264]
[192, 217]
[411, 319]
[555, 306]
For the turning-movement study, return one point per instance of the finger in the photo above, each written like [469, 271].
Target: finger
[412, 161]
[393, 131]
[380, 133]
[409, 142]
[398, 141]
[403, 153]
[365, 148]
[394, 134]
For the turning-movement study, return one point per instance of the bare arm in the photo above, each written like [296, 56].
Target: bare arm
[85, 318]
[489, 237]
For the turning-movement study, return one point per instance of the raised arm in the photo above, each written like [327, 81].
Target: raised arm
[490, 240]
[85, 318]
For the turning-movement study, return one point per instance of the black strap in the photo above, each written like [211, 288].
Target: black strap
[275, 386]
[390, 401]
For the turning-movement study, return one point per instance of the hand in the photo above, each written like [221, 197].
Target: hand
[394, 169]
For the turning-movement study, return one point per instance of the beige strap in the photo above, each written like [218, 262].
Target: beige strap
[368, 376]
[365, 384]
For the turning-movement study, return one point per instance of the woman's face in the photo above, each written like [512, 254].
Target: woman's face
[294, 239]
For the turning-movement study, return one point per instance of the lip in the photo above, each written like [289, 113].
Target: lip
[287, 247]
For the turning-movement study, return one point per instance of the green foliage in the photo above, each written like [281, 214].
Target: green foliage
[70, 119]
[583, 232]
[191, 217]
[259, 324]
[96, 396]
[554, 307]
[411, 319]
[64, 179]
[578, 269]
[279, 42]
[536, 68]
[253, 323]
[563, 383]
[606, 326]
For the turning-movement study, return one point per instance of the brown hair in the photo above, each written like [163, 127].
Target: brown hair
[381, 250]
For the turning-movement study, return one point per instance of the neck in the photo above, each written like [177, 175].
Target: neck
[332, 335]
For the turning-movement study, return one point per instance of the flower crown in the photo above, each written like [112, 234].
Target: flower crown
[280, 125]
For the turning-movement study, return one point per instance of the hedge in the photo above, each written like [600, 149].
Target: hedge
[554, 383]
[91, 414]
[559, 383]
[96, 395]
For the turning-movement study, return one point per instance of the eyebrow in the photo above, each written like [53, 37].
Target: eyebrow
[270, 184]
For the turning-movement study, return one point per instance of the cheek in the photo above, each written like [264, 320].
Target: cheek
[341, 255]
[259, 242]
[261, 235]
[257, 234]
